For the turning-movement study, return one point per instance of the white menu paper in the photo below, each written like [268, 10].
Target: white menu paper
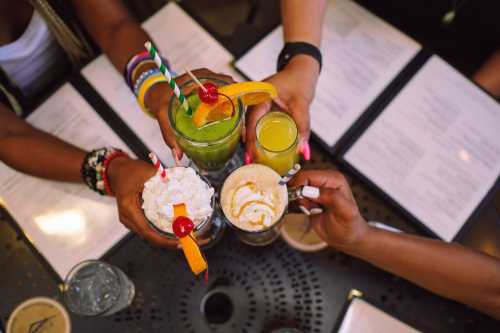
[361, 56]
[67, 223]
[185, 44]
[435, 149]
[362, 317]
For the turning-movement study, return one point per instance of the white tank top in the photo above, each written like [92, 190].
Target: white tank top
[34, 59]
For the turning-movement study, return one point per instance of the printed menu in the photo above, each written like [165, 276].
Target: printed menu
[66, 223]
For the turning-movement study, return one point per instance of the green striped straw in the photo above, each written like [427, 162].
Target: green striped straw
[156, 56]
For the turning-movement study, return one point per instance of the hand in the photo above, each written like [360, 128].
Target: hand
[127, 178]
[158, 99]
[296, 85]
[341, 224]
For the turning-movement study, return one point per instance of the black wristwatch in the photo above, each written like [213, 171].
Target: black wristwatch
[290, 50]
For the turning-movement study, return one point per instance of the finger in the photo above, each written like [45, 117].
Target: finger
[127, 224]
[251, 119]
[203, 73]
[243, 132]
[299, 110]
[319, 227]
[206, 73]
[305, 149]
[168, 134]
[139, 220]
[334, 200]
[319, 178]
[304, 202]
[334, 191]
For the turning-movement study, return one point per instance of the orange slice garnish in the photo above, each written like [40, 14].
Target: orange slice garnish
[250, 93]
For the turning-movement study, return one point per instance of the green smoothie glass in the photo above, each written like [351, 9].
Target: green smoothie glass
[213, 145]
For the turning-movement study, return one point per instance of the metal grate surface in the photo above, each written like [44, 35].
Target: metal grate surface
[249, 290]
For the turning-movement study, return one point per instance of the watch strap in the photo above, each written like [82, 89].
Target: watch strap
[294, 48]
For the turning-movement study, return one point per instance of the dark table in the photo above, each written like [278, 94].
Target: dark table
[265, 287]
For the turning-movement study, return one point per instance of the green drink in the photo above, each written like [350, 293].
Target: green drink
[213, 145]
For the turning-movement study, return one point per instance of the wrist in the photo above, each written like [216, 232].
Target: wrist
[305, 70]
[113, 171]
[361, 242]
[305, 63]
[157, 97]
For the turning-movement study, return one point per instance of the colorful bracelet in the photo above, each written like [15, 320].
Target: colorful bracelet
[143, 77]
[135, 62]
[94, 169]
[104, 171]
[132, 63]
[136, 69]
[145, 87]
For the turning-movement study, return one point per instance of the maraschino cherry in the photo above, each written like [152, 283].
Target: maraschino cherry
[210, 95]
[182, 226]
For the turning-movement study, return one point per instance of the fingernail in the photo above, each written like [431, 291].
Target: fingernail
[248, 158]
[177, 157]
[316, 211]
[306, 151]
[310, 192]
[304, 210]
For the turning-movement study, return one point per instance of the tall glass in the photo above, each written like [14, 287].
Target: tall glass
[94, 288]
[212, 146]
[277, 142]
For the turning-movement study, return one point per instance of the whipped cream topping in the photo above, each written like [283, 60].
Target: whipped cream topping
[183, 185]
[252, 199]
[253, 205]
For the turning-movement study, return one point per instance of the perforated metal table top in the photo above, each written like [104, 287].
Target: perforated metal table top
[257, 289]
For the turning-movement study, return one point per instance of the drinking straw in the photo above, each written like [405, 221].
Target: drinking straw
[195, 79]
[163, 69]
[158, 166]
[286, 178]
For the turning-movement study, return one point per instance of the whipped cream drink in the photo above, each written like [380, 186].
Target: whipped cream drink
[252, 199]
[183, 185]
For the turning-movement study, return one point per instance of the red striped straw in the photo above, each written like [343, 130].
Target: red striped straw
[158, 166]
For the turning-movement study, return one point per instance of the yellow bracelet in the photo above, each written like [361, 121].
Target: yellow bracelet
[143, 90]
[138, 66]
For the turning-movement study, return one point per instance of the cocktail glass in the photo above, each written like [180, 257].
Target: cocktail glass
[211, 147]
[277, 142]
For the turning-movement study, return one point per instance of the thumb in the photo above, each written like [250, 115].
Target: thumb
[252, 118]
[299, 110]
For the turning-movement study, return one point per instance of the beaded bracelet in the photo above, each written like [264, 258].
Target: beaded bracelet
[137, 69]
[95, 166]
[143, 77]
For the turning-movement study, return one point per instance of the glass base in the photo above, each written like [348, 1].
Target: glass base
[216, 178]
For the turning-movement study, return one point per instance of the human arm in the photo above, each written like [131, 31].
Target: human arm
[488, 76]
[37, 153]
[120, 37]
[29, 150]
[296, 82]
[447, 269]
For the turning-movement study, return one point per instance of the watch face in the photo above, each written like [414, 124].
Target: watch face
[40, 315]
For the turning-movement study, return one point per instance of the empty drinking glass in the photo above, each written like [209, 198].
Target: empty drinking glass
[94, 288]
